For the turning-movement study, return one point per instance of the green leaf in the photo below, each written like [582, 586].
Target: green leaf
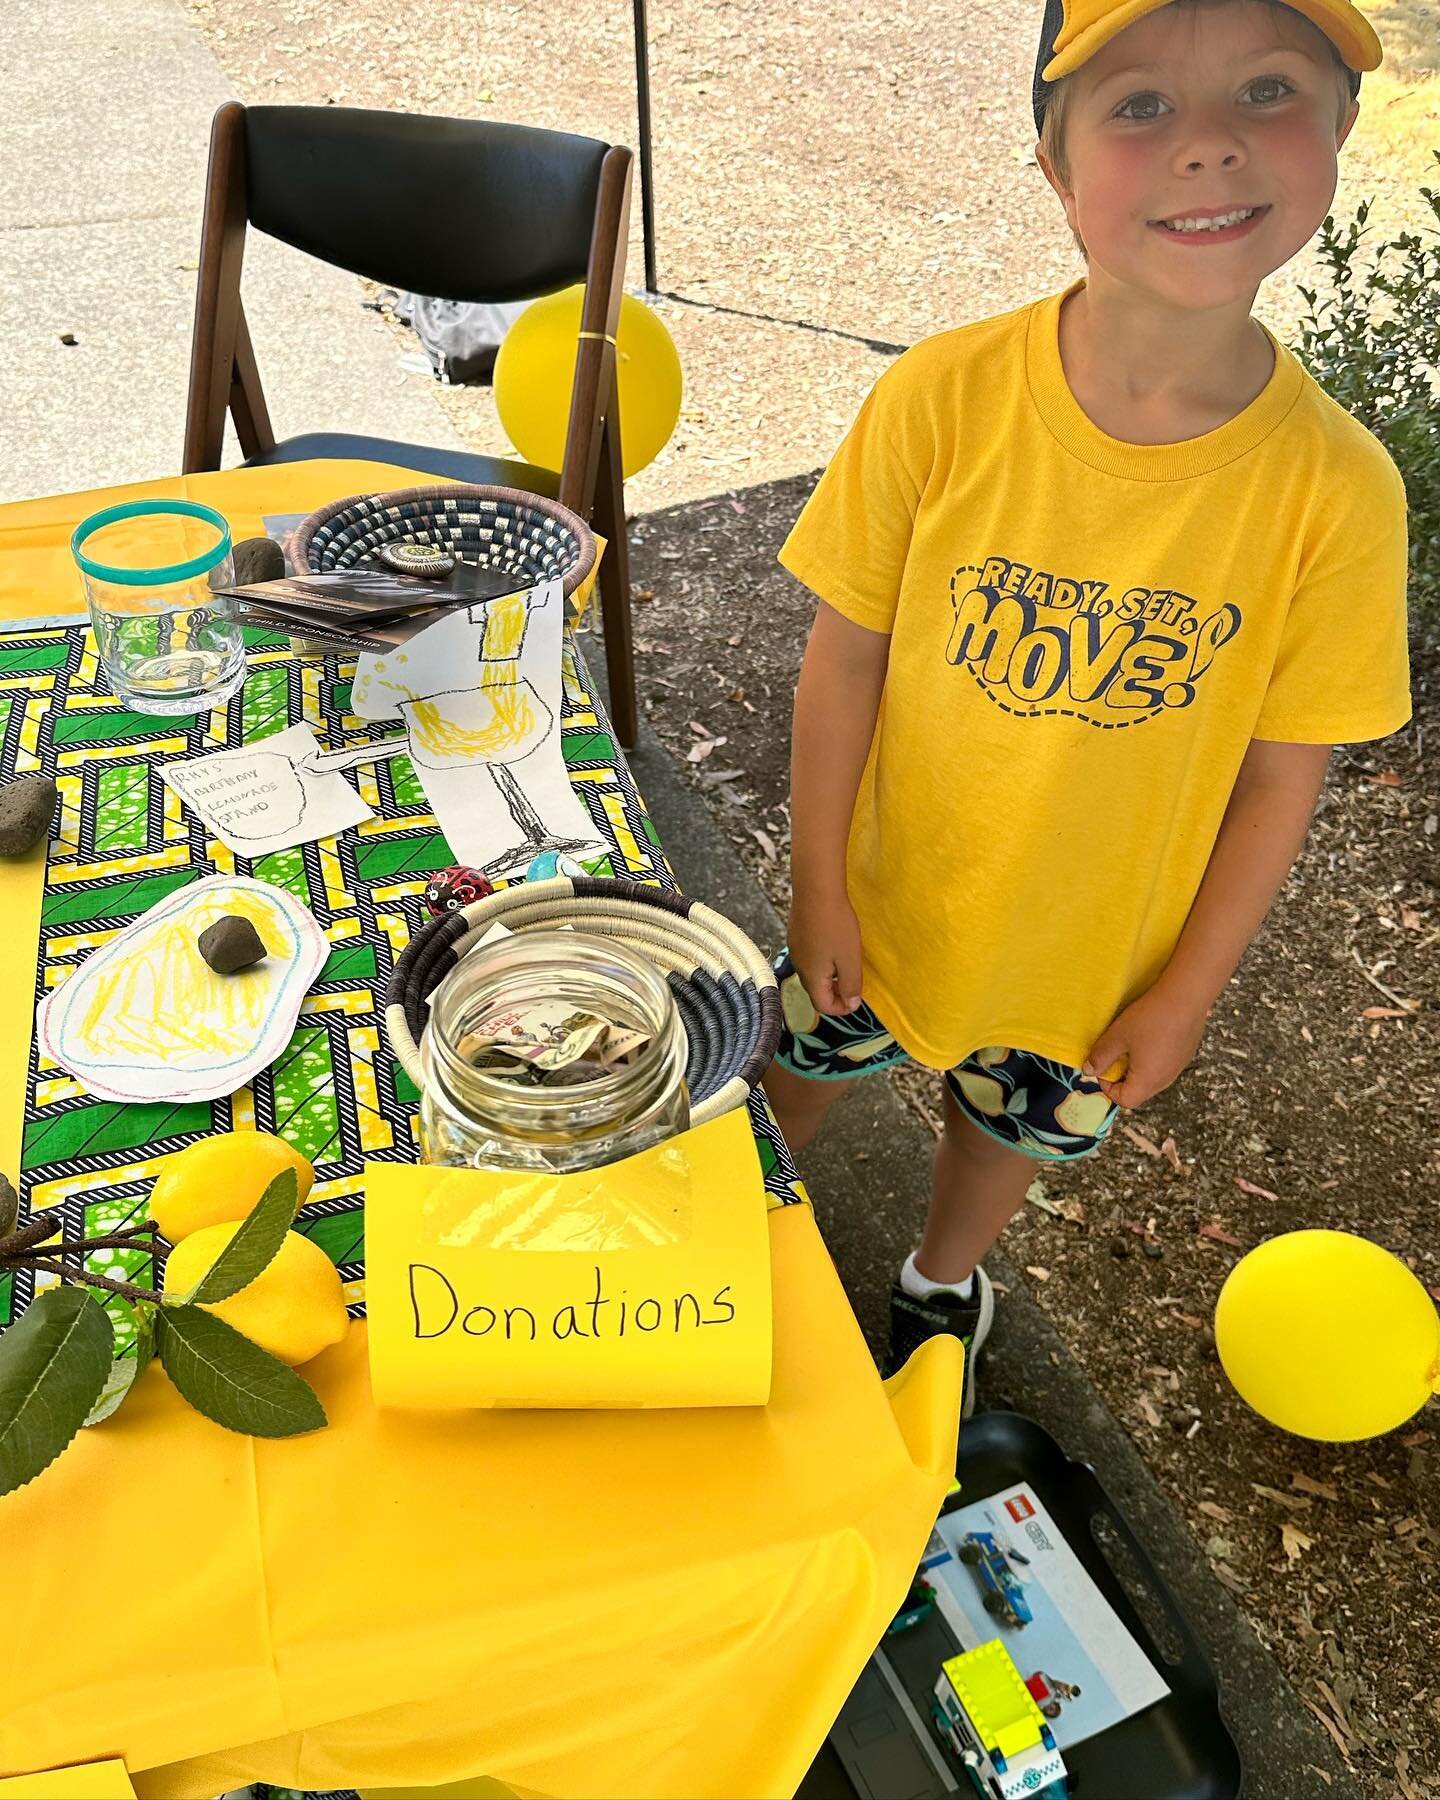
[53, 1363]
[125, 1371]
[254, 1246]
[232, 1380]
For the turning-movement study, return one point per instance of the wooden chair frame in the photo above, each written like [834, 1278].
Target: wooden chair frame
[224, 377]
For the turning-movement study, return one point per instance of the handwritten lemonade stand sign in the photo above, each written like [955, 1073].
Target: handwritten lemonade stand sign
[643, 1283]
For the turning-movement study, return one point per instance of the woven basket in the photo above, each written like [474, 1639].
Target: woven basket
[724, 988]
[525, 535]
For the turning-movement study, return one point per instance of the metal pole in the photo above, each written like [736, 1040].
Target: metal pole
[647, 167]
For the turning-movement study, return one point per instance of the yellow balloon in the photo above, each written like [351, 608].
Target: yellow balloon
[535, 371]
[1328, 1336]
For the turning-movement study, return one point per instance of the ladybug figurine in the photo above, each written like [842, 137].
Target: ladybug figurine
[453, 888]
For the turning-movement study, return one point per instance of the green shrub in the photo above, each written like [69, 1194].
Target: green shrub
[1372, 340]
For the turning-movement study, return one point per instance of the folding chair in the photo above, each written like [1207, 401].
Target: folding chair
[459, 208]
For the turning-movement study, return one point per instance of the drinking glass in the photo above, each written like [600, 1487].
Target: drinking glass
[166, 639]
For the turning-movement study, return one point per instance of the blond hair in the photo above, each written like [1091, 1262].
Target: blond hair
[1057, 99]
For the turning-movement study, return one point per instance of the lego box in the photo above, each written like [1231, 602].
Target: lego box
[1001, 1568]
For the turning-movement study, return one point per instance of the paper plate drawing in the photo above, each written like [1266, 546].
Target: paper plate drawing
[145, 1018]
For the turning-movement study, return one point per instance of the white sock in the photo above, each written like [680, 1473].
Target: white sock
[921, 1286]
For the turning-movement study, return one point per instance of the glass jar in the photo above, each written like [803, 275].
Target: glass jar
[474, 1118]
[166, 639]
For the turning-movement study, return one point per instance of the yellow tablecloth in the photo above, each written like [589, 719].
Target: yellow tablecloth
[668, 1604]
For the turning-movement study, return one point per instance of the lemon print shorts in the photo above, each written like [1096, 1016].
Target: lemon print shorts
[1040, 1107]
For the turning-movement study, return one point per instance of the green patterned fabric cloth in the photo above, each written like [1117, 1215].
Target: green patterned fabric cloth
[124, 842]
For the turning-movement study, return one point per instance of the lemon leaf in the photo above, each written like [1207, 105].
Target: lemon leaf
[53, 1364]
[254, 1246]
[126, 1370]
[232, 1380]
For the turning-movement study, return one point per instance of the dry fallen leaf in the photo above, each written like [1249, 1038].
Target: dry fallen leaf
[1212, 1509]
[766, 843]
[1388, 779]
[1249, 1187]
[1140, 1141]
[1172, 1155]
[1342, 1743]
[1295, 1502]
[1039, 1273]
[1220, 1235]
[1306, 1485]
[698, 752]
[1294, 1541]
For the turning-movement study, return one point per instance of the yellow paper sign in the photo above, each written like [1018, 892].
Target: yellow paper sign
[88, 1781]
[644, 1283]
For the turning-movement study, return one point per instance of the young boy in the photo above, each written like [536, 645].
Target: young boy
[1101, 581]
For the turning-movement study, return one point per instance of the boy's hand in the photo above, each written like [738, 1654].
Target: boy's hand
[1157, 1036]
[825, 948]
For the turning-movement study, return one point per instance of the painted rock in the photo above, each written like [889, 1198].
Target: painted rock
[550, 863]
[453, 888]
[425, 560]
[26, 808]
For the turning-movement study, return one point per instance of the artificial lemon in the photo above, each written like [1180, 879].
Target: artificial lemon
[222, 1178]
[295, 1308]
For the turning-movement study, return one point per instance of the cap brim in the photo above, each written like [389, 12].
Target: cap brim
[1351, 34]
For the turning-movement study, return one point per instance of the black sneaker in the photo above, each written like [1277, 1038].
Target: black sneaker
[912, 1321]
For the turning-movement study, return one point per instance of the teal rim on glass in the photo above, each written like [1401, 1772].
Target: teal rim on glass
[134, 509]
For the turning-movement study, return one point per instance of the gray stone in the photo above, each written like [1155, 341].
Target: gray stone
[26, 808]
[231, 944]
[258, 559]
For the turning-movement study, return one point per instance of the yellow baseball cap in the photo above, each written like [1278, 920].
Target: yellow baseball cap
[1074, 30]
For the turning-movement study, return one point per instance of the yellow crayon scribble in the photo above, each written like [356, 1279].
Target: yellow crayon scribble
[505, 622]
[475, 738]
[163, 999]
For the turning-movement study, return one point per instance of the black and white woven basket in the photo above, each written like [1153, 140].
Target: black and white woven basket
[724, 988]
[524, 535]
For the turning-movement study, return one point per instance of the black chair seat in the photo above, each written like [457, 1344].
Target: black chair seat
[459, 465]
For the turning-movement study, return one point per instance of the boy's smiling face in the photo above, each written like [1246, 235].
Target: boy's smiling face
[1195, 113]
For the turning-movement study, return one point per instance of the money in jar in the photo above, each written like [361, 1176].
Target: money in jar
[556, 1050]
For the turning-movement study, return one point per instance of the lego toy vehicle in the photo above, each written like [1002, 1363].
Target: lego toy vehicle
[1004, 1597]
[990, 1723]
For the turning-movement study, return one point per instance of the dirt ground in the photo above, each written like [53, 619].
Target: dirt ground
[832, 183]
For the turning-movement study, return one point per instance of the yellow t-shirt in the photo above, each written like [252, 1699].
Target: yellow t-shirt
[1085, 635]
